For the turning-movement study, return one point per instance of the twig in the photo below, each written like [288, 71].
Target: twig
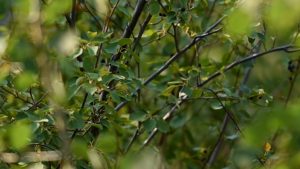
[126, 34]
[31, 157]
[92, 14]
[225, 109]
[73, 14]
[133, 138]
[284, 48]
[142, 30]
[213, 155]
[213, 98]
[208, 32]
[175, 38]
[166, 117]
[211, 9]
[113, 69]
[128, 31]
[16, 95]
[105, 29]
[292, 83]
[138, 131]
[35, 104]
[218, 144]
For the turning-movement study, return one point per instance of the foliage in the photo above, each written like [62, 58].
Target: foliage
[149, 84]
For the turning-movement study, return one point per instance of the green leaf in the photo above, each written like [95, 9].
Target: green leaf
[111, 48]
[162, 126]
[19, 134]
[54, 9]
[168, 91]
[138, 115]
[149, 33]
[94, 76]
[154, 8]
[178, 121]
[77, 122]
[124, 11]
[123, 41]
[228, 92]
[107, 78]
[79, 148]
[197, 92]
[106, 143]
[72, 91]
[89, 88]
[115, 96]
[149, 124]
[92, 50]
[239, 22]
[204, 3]
[24, 80]
[171, 17]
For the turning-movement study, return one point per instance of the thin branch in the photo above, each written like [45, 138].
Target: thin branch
[218, 144]
[105, 29]
[16, 95]
[166, 117]
[31, 95]
[211, 9]
[177, 55]
[284, 48]
[225, 110]
[292, 82]
[214, 98]
[217, 147]
[126, 34]
[133, 138]
[37, 103]
[176, 38]
[138, 131]
[92, 14]
[208, 32]
[128, 31]
[136, 42]
[141, 32]
[108, 19]
[73, 15]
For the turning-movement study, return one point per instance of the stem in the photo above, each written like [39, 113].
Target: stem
[166, 117]
[225, 122]
[105, 29]
[208, 32]
[128, 31]
[285, 48]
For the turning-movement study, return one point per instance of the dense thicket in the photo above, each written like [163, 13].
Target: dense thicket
[149, 84]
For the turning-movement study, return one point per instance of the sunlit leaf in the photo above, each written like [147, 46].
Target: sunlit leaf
[24, 80]
[79, 148]
[239, 22]
[19, 134]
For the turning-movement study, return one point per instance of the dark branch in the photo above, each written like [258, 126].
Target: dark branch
[285, 48]
[129, 29]
[166, 117]
[208, 32]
